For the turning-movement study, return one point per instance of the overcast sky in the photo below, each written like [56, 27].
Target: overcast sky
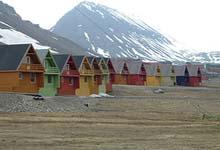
[194, 23]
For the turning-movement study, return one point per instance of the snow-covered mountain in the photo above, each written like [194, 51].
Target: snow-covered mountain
[110, 33]
[14, 30]
[203, 57]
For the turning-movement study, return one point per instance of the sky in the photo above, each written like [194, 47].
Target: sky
[193, 23]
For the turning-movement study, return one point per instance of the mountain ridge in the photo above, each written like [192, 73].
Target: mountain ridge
[110, 33]
[14, 30]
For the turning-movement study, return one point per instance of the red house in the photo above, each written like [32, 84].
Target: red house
[111, 74]
[195, 76]
[69, 74]
[137, 72]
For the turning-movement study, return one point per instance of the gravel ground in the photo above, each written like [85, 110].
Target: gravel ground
[24, 103]
[122, 93]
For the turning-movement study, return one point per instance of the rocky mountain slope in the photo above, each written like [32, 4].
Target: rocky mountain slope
[14, 30]
[110, 33]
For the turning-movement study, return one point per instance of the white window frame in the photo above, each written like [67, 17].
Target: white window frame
[28, 59]
[21, 76]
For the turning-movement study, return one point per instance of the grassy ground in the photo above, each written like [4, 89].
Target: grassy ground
[136, 119]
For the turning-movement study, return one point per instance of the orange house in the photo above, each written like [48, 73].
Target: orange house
[20, 69]
[121, 71]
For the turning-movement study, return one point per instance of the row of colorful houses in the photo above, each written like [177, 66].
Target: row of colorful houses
[26, 70]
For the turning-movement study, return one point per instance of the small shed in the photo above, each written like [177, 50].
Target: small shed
[51, 74]
[137, 72]
[97, 79]
[69, 75]
[121, 71]
[86, 76]
[153, 77]
[20, 69]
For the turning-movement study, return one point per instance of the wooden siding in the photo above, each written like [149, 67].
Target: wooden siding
[120, 79]
[136, 79]
[194, 81]
[166, 81]
[50, 89]
[10, 82]
[153, 81]
[86, 85]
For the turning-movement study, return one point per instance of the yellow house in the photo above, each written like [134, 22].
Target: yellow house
[153, 74]
[168, 77]
[97, 80]
[105, 75]
[86, 76]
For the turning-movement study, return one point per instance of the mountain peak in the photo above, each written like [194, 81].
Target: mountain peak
[6, 9]
[106, 31]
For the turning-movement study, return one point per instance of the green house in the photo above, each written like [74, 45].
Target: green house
[51, 74]
[105, 75]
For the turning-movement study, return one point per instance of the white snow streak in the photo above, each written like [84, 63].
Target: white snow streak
[102, 52]
[109, 38]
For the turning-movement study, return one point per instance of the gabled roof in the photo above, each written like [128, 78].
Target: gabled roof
[78, 60]
[151, 68]
[12, 55]
[134, 66]
[118, 64]
[42, 53]
[91, 59]
[165, 69]
[180, 70]
[99, 59]
[61, 60]
[193, 70]
[107, 61]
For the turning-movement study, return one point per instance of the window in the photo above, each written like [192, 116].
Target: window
[49, 79]
[85, 79]
[67, 67]
[71, 81]
[158, 70]
[28, 60]
[21, 76]
[33, 77]
[62, 79]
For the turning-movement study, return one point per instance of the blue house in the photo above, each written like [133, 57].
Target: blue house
[182, 75]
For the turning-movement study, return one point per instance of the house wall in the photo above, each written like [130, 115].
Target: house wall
[121, 79]
[105, 81]
[65, 87]
[135, 80]
[153, 81]
[166, 81]
[111, 81]
[85, 88]
[50, 89]
[95, 89]
[10, 82]
[194, 81]
[181, 81]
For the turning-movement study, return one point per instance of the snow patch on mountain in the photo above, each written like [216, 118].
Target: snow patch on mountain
[11, 36]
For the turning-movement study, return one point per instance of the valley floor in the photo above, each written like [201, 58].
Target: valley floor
[136, 118]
